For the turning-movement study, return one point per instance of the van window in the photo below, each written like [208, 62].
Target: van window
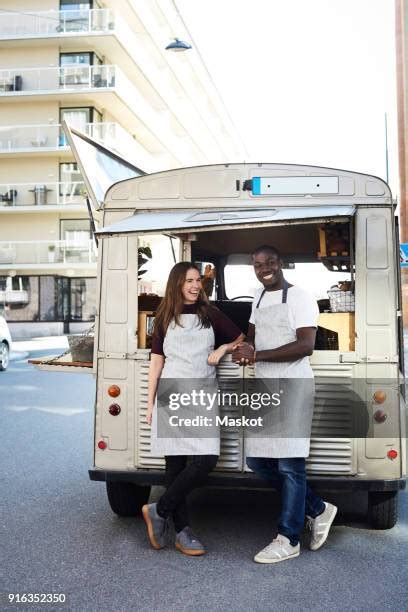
[240, 279]
[154, 273]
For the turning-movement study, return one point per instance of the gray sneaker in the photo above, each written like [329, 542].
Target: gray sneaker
[188, 543]
[279, 549]
[156, 526]
[320, 526]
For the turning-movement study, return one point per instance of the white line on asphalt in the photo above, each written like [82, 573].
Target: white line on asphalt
[62, 411]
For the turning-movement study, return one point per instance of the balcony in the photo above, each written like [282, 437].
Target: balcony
[49, 138]
[105, 85]
[45, 254]
[23, 81]
[55, 23]
[36, 197]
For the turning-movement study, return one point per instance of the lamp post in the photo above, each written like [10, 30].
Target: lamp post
[178, 45]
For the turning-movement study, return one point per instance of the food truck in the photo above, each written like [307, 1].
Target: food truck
[335, 227]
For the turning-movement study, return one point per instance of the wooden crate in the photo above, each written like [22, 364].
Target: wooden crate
[144, 328]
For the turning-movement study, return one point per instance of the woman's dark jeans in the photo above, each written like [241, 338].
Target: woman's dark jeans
[288, 476]
[183, 474]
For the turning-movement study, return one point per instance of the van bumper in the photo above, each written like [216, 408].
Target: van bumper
[249, 480]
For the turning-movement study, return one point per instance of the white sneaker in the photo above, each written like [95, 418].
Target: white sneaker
[279, 549]
[320, 526]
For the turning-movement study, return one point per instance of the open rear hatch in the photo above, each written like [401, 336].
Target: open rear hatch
[101, 168]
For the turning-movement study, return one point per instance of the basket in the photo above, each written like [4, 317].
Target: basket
[81, 347]
[341, 301]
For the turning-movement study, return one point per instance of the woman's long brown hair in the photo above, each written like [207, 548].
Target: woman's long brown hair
[172, 304]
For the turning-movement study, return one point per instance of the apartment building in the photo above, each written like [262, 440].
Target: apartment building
[102, 67]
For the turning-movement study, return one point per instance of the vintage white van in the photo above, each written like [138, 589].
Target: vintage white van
[330, 226]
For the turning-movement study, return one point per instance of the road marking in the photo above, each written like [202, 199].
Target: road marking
[64, 411]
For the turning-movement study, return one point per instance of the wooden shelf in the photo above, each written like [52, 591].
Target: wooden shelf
[343, 323]
[62, 364]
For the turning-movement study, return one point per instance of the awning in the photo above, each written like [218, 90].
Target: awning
[178, 221]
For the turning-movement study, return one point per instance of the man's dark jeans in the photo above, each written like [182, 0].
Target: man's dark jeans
[288, 476]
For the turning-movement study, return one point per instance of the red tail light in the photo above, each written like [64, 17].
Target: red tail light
[102, 444]
[380, 416]
[114, 409]
[392, 454]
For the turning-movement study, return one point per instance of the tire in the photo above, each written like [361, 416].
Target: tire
[127, 499]
[383, 509]
[4, 356]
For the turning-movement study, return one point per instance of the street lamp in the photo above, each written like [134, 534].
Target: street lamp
[178, 45]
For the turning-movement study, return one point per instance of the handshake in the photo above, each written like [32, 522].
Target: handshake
[243, 353]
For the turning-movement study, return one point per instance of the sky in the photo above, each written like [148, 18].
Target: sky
[305, 81]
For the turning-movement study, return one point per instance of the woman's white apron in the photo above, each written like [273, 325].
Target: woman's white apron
[187, 347]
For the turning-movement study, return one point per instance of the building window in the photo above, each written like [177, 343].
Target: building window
[74, 5]
[83, 299]
[77, 232]
[70, 179]
[80, 58]
[81, 118]
[75, 299]
[78, 68]
[47, 298]
[20, 296]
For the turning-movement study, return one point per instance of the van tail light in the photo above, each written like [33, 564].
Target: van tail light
[114, 409]
[379, 397]
[392, 454]
[102, 444]
[380, 416]
[114, 390]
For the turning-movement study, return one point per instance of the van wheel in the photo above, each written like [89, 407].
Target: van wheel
[126, 498]
[383, 509]
[4, 356]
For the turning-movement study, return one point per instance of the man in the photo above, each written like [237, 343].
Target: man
[281, 336]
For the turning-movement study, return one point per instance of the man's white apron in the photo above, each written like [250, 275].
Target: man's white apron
[294, 379]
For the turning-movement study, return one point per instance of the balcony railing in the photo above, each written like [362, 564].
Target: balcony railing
[74, 77]
[53, 23]
[22, 253]
[14, 138]
[36, 194]
[110, 79]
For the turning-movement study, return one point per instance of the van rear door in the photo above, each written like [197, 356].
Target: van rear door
[100, 166]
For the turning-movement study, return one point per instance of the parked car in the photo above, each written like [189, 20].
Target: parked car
[5, 344]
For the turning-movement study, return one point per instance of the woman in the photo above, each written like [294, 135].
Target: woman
[186, 330]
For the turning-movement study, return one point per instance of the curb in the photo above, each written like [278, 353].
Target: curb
[17, 355]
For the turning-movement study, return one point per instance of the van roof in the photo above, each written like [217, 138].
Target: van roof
[242, 185]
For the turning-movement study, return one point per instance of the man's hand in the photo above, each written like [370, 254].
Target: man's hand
[243, 353]
[149, 415]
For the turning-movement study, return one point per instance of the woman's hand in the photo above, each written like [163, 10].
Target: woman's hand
[149, 415]
[215, 357]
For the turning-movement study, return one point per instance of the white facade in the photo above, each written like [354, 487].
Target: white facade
[102, 67]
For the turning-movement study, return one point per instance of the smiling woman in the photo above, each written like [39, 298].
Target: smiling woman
[190, 338]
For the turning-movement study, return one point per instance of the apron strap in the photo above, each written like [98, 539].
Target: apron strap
[284, 293]
[259, 301]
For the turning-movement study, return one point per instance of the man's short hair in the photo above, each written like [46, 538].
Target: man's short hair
[266, 248]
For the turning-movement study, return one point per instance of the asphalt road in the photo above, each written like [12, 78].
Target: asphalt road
[58, 534]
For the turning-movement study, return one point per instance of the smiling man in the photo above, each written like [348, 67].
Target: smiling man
[281, 337]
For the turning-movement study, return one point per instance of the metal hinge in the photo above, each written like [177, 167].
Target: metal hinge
[102, 355]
